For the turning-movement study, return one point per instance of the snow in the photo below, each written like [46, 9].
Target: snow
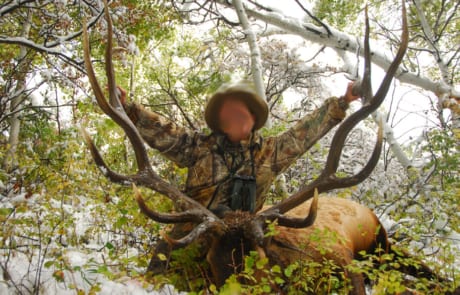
[61, 269]
[124, 285]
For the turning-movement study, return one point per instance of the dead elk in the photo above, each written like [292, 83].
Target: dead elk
[357, 226]
[342, 229]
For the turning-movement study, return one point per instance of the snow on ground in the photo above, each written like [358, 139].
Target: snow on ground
[59, 269]
[24, 272]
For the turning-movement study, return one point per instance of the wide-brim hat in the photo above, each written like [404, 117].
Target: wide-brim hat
[243, 90]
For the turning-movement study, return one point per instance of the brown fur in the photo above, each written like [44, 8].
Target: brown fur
[348, 228]
[355, 228]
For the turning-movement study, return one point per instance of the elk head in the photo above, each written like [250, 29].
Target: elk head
[238, 232]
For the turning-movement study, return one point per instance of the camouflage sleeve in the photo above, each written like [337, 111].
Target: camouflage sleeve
[293, 143]
[173, 141]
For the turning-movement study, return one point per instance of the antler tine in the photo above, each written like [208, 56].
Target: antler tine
[327, 179]
[394, 66]
[366, 85]
[109, 173]
[371, 102]
[294, 222]
[198, 214]
[112, 85]
[197, 231]
[185, 216]
[323, 183]
[145, 175]
[117, 114]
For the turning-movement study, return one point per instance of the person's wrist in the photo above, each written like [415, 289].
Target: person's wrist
[343, 103]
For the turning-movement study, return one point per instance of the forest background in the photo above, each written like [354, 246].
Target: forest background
[66, 229]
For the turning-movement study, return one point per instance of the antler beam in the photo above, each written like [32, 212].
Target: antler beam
[328, 179]
[145, 176]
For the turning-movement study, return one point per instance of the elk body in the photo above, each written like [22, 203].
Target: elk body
[236, 233]
[346, 226]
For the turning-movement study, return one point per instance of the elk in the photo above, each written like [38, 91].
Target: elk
[236, 233]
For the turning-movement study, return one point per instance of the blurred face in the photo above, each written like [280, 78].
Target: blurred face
[235, 120]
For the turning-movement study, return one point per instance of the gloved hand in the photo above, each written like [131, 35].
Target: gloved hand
[353, 91]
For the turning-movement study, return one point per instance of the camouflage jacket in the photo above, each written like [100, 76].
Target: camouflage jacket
[212, 160]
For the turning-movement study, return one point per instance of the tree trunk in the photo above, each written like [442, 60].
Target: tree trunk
[10, 161]
[256, 64]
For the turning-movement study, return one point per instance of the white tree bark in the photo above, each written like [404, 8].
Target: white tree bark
[444, 98]
[337, 39]
[256, 64]
[10, 160]
[391, 140]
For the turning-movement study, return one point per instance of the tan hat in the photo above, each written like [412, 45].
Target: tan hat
[243, 90]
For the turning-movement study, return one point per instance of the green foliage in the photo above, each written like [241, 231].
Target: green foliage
[60, 201]
[147, 20]
[443, 25]
[387, 276]
[175, 77]
[57, 201]
[337, 12]
[444, 185]
[303, 276]
[436, 198]
[442, 145]
[187, 270]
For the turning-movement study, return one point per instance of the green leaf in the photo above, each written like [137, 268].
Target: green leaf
[6, 211]
[289, 270]
[276, 269]
[49, 263]
[249, 262]
[279, 280]
[121, 221]
[261, 263]
[109, 246]
[162, 257]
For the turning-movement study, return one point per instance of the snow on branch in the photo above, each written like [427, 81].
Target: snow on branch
[334, 38]
[40, 48]
[256, 64]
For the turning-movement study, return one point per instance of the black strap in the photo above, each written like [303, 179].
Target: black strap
[243, 194]
[214, 194]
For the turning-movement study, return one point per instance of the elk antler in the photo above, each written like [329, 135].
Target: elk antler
[145, 176]
[328, 180]
[192, 211]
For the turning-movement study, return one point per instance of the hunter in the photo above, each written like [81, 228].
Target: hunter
[233, 167]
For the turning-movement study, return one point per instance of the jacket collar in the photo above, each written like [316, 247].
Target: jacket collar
[255, 142]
